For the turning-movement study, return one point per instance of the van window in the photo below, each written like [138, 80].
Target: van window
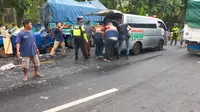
[140, 25]
[161, 25]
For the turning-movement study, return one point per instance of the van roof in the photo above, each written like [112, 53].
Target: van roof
[140, 16]
[140, 19]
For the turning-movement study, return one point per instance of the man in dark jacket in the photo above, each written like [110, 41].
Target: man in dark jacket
[123, 36]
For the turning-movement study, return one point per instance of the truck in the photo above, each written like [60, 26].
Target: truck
[44, 41]
[192, 26]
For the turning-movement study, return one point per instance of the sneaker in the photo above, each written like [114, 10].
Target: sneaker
[106, 60]
[25, 79]
[100, 56]
[38, 76]
[127, 57]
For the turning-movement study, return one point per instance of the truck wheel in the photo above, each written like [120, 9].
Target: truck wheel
[2, 53]
[136, 48]
[160, 45]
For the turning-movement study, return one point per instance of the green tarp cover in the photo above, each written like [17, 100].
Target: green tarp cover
[193, 13]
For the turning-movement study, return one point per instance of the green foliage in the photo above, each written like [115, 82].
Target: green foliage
[171, 11]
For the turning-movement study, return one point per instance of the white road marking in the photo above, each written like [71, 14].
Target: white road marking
[83, 100]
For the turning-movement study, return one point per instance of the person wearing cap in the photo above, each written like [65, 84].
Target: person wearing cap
[175, 31]
[111, 38]
[80, 38]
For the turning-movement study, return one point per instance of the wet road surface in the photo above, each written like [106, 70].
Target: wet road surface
[164, 81]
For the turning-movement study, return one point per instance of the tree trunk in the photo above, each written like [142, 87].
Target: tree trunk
[20, 16]
[14, 15]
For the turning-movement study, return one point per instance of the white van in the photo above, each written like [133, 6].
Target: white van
[147, 32]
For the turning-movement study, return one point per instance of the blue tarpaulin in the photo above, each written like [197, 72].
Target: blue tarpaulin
[68, 10]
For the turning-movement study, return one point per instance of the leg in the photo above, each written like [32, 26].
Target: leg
[181, 41]
[120, 48]
[109, 49]
[176, 39]
[88, 47]
[77, 45]
[25, 63]
[101, 48]
[83, 48]
[172, 40]
[112, 48]
[127, 48]
[97, 48]
[56, 44]
[63, 47]
[36, 63]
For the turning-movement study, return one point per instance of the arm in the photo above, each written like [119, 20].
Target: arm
[61, 27]
[84, 34]
[18, 41]
[129, 27]
[38, 52]
[17, 48]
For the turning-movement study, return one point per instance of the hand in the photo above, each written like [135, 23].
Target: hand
[18, 54]
[86, 41]
[38, 52]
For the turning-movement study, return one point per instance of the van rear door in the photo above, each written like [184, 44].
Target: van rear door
[104, 13]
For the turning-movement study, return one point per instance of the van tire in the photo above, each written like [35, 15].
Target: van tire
[2, 53]
[160, 45]
[136, 48]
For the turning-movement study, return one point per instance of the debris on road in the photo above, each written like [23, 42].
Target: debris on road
[7, 67]
[47, 62]
[44, 97]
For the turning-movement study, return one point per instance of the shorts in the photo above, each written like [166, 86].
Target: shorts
[26, 61]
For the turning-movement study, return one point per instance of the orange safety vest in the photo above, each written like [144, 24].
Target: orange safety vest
[99, 30]
[109, 28]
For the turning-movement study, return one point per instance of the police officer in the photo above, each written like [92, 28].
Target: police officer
[175, 31]
[80, 38]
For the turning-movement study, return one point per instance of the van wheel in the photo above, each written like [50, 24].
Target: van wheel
[136, 48]
[160, 45]
[2, 53]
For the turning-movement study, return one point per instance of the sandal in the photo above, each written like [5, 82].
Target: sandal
[25, 79]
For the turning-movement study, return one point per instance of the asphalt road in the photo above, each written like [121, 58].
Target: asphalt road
[164, 81]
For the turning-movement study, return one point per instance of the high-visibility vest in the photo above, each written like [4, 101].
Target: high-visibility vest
[109, 28]
[175, 30]
[76, 30]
